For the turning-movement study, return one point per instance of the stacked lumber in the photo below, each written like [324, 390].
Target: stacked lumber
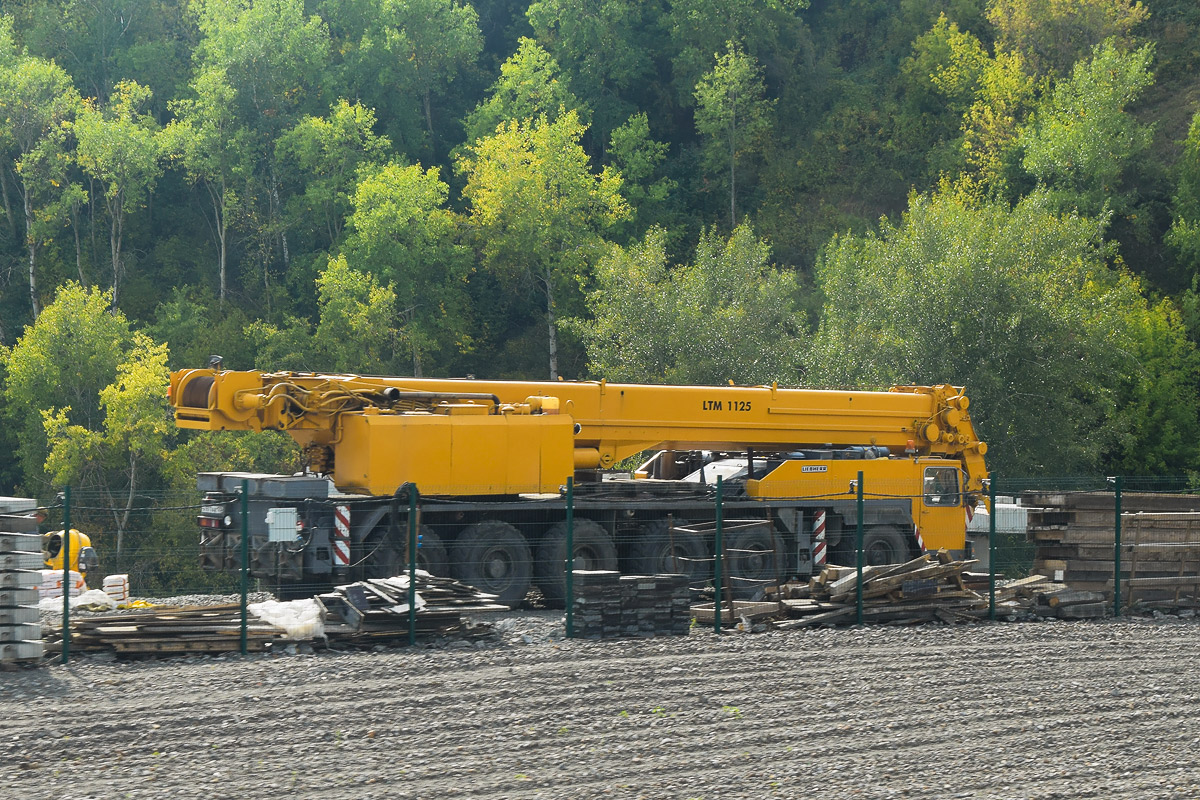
[167, 631]
[924, 589]
[1161, 557]
[608, 605]
[1074, 533]
[377, 609]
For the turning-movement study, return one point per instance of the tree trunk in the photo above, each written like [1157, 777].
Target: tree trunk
[732, 178]
[550, 329]
[31, 245]
[429, 117]
[220, 230]
[115, 231]
[78, 243]
[8, 209]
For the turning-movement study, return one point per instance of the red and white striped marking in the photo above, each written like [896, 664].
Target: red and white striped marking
[920, 540]
[819, 539]
[341, 536]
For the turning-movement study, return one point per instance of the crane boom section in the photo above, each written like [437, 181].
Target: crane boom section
[607, 421]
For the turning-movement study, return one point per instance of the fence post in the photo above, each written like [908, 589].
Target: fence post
[992, 549]
[858, 592]
[413, 494]
[65, 549]
[570, 557]
[245, 560]
[1117, 548]
[717, 547]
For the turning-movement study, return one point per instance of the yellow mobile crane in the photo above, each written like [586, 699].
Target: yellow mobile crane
[491, 458]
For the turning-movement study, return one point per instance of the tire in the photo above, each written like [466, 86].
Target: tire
[756, 555]
[884, 544]
[659, 551]
[431, 554]
[380, 556]
[594, 549]
[494, 557]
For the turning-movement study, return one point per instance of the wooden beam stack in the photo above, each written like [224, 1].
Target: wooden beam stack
[377, 609]
[1074, 535]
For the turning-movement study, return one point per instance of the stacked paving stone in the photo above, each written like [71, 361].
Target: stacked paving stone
[20, 576]
[609, 605]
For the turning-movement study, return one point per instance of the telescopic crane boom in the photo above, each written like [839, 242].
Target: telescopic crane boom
[469, 437]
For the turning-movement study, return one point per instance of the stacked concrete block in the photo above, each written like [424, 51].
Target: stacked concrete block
[645, 605]
[20, 579]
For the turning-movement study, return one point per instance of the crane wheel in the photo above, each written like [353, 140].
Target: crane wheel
[494, 557]
[594, 549]
[883, 544]
[659, 550]
[756, 556]
[431, 553]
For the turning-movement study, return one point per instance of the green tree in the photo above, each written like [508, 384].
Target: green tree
[328, 152]
[767, 29]
[639, 159]
[1017, 305]
[1051, 35]
[357, 330]
[530, 85]
[1184, 235]
[1080, 140]
[606, 47]
[274, 56]
[728, 315]
[406, 49]
[124, 454]
[402, 232]
[539, 210]
[214, 149]
[36, 103]
[734, 115]
[63, 361]
[993, 123]
[118, 146]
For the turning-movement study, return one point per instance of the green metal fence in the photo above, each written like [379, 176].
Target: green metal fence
[1133, 541]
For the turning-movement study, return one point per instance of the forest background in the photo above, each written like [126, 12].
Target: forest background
[1002, 194]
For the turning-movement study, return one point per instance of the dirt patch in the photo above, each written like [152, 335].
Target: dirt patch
[1044, 710]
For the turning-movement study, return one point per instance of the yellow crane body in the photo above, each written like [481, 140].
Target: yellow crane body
[351, 416]
[492, 457]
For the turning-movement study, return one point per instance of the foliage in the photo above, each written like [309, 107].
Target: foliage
[1020, 307]
[328, 152]
[1081, 138]
[529, 86]
[406, 139]
[117, 146]
[732, 112]
[1052, 35]
[63, 361]
[539, 209]
[118, 456]
[728, 315]
[401, 232]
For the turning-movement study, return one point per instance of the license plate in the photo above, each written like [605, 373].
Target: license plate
[215, 511]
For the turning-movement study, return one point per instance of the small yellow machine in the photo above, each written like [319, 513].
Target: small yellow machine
[788, 458]
[83, 556]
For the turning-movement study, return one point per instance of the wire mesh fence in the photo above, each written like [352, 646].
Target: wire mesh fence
[710, 549]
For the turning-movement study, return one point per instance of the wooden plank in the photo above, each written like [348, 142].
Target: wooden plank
[1083, 611]
[1070, 597]
[826, 618]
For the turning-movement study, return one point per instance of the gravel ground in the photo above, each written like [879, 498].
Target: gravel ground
[1041, 710]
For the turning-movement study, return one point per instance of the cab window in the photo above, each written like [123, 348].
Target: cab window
[941, 486]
